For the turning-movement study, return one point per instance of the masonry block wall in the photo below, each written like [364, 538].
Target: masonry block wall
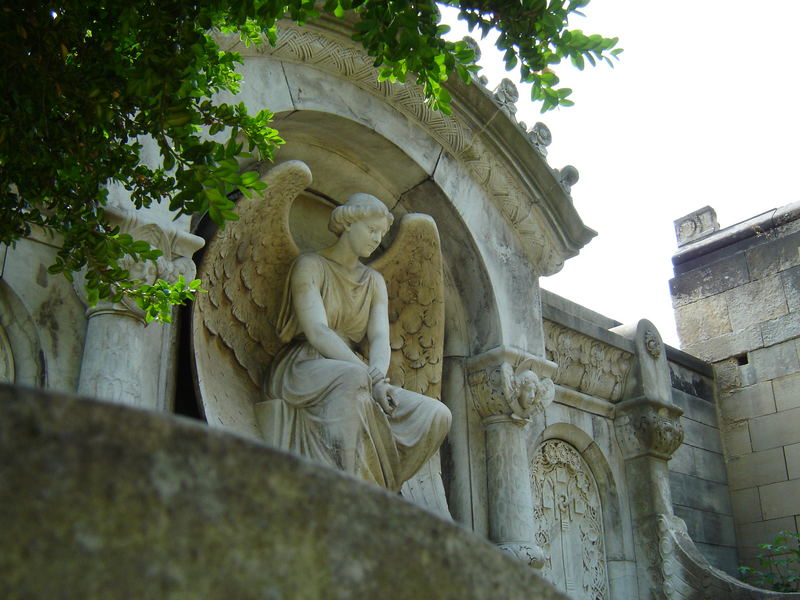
[736, 295]
[697, 474]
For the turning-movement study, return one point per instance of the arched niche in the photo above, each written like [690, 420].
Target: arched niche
[344, 157]
[576, 465]
[21, 356]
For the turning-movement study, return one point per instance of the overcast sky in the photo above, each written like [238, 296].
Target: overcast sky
[702, 109]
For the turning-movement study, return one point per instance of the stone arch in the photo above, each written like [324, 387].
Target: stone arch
[602, 475]
[21, 356]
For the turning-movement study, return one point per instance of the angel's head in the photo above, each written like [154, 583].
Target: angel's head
[363, 220]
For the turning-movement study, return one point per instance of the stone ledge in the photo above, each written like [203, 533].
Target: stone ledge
[104, 501]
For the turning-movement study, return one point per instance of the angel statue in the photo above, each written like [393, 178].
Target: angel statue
[337, 360]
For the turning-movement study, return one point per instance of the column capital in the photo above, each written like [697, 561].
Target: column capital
[648, 428]
[177, 247]
[510, 385]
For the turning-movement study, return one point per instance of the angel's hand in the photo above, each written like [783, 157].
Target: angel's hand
[382, 395]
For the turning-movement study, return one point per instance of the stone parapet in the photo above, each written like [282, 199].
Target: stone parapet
[106, 501]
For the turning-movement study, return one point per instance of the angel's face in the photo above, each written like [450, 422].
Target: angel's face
[364, 235]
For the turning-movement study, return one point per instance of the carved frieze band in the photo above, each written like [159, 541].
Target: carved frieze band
[510, 385]
[586, 364]
[341, 58]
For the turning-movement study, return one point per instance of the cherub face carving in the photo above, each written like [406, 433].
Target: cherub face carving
[364, 235]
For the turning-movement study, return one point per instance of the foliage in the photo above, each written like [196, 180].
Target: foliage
[779, 562]
[87, 84]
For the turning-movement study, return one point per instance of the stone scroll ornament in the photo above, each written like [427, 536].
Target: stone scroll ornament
[237, 327]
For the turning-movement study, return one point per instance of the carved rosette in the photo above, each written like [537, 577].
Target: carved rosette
[506, 387]
[649, 428]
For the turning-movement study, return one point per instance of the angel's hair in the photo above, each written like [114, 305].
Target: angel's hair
[358, 206]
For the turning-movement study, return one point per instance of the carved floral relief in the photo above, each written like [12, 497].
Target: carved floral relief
[568, 521]
[586, 364]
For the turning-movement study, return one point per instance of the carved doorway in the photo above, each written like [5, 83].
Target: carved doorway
[569, 521]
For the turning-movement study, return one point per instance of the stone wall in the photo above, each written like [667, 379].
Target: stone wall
[697, 475]
[698, 479]
[736, 294]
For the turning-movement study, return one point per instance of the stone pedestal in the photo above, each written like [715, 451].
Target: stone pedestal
[509, 386]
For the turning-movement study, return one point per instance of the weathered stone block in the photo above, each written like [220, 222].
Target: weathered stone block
[102, 501]
[728, 344]
[706, 281]
[778, 254]
[728, 375]
[777, 429]
[792, 453]
[708, 528]
[699, 493]
[787, 392]
[781, 329]
[710, 465]
[750, 535]
[780, 499]
[791, 287]
[748, 402]
[756, 302]
[695, 408]
[682, 461]
[688, 380]
[746, 505]
[706, 318]
[757, 468]
[724, 558]
[736, 439]
[701, 436]
[775, 361]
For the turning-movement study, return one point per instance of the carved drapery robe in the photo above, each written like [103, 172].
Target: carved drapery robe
[324, 408]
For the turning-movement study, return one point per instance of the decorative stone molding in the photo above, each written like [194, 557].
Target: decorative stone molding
[540, 136]
[648, 428]
[176, 245]
[506, 96]
[652, 342]
[567, 177]
[536, 220]
[696, 225]
[506, 387]
[569, 521]
[586, 364]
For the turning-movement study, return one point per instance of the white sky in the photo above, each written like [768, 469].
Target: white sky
[702, 109]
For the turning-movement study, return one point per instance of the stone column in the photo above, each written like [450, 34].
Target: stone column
[508, 386]
[122, 359]
[649, 431]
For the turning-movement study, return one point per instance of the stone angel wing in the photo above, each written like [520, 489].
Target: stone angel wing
[244, 269]
[412, 269]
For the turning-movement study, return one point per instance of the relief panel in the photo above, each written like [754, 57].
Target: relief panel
[569, 521]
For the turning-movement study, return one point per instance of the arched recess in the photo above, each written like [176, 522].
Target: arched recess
[576, 467]
[344, 157]
[21, 357]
